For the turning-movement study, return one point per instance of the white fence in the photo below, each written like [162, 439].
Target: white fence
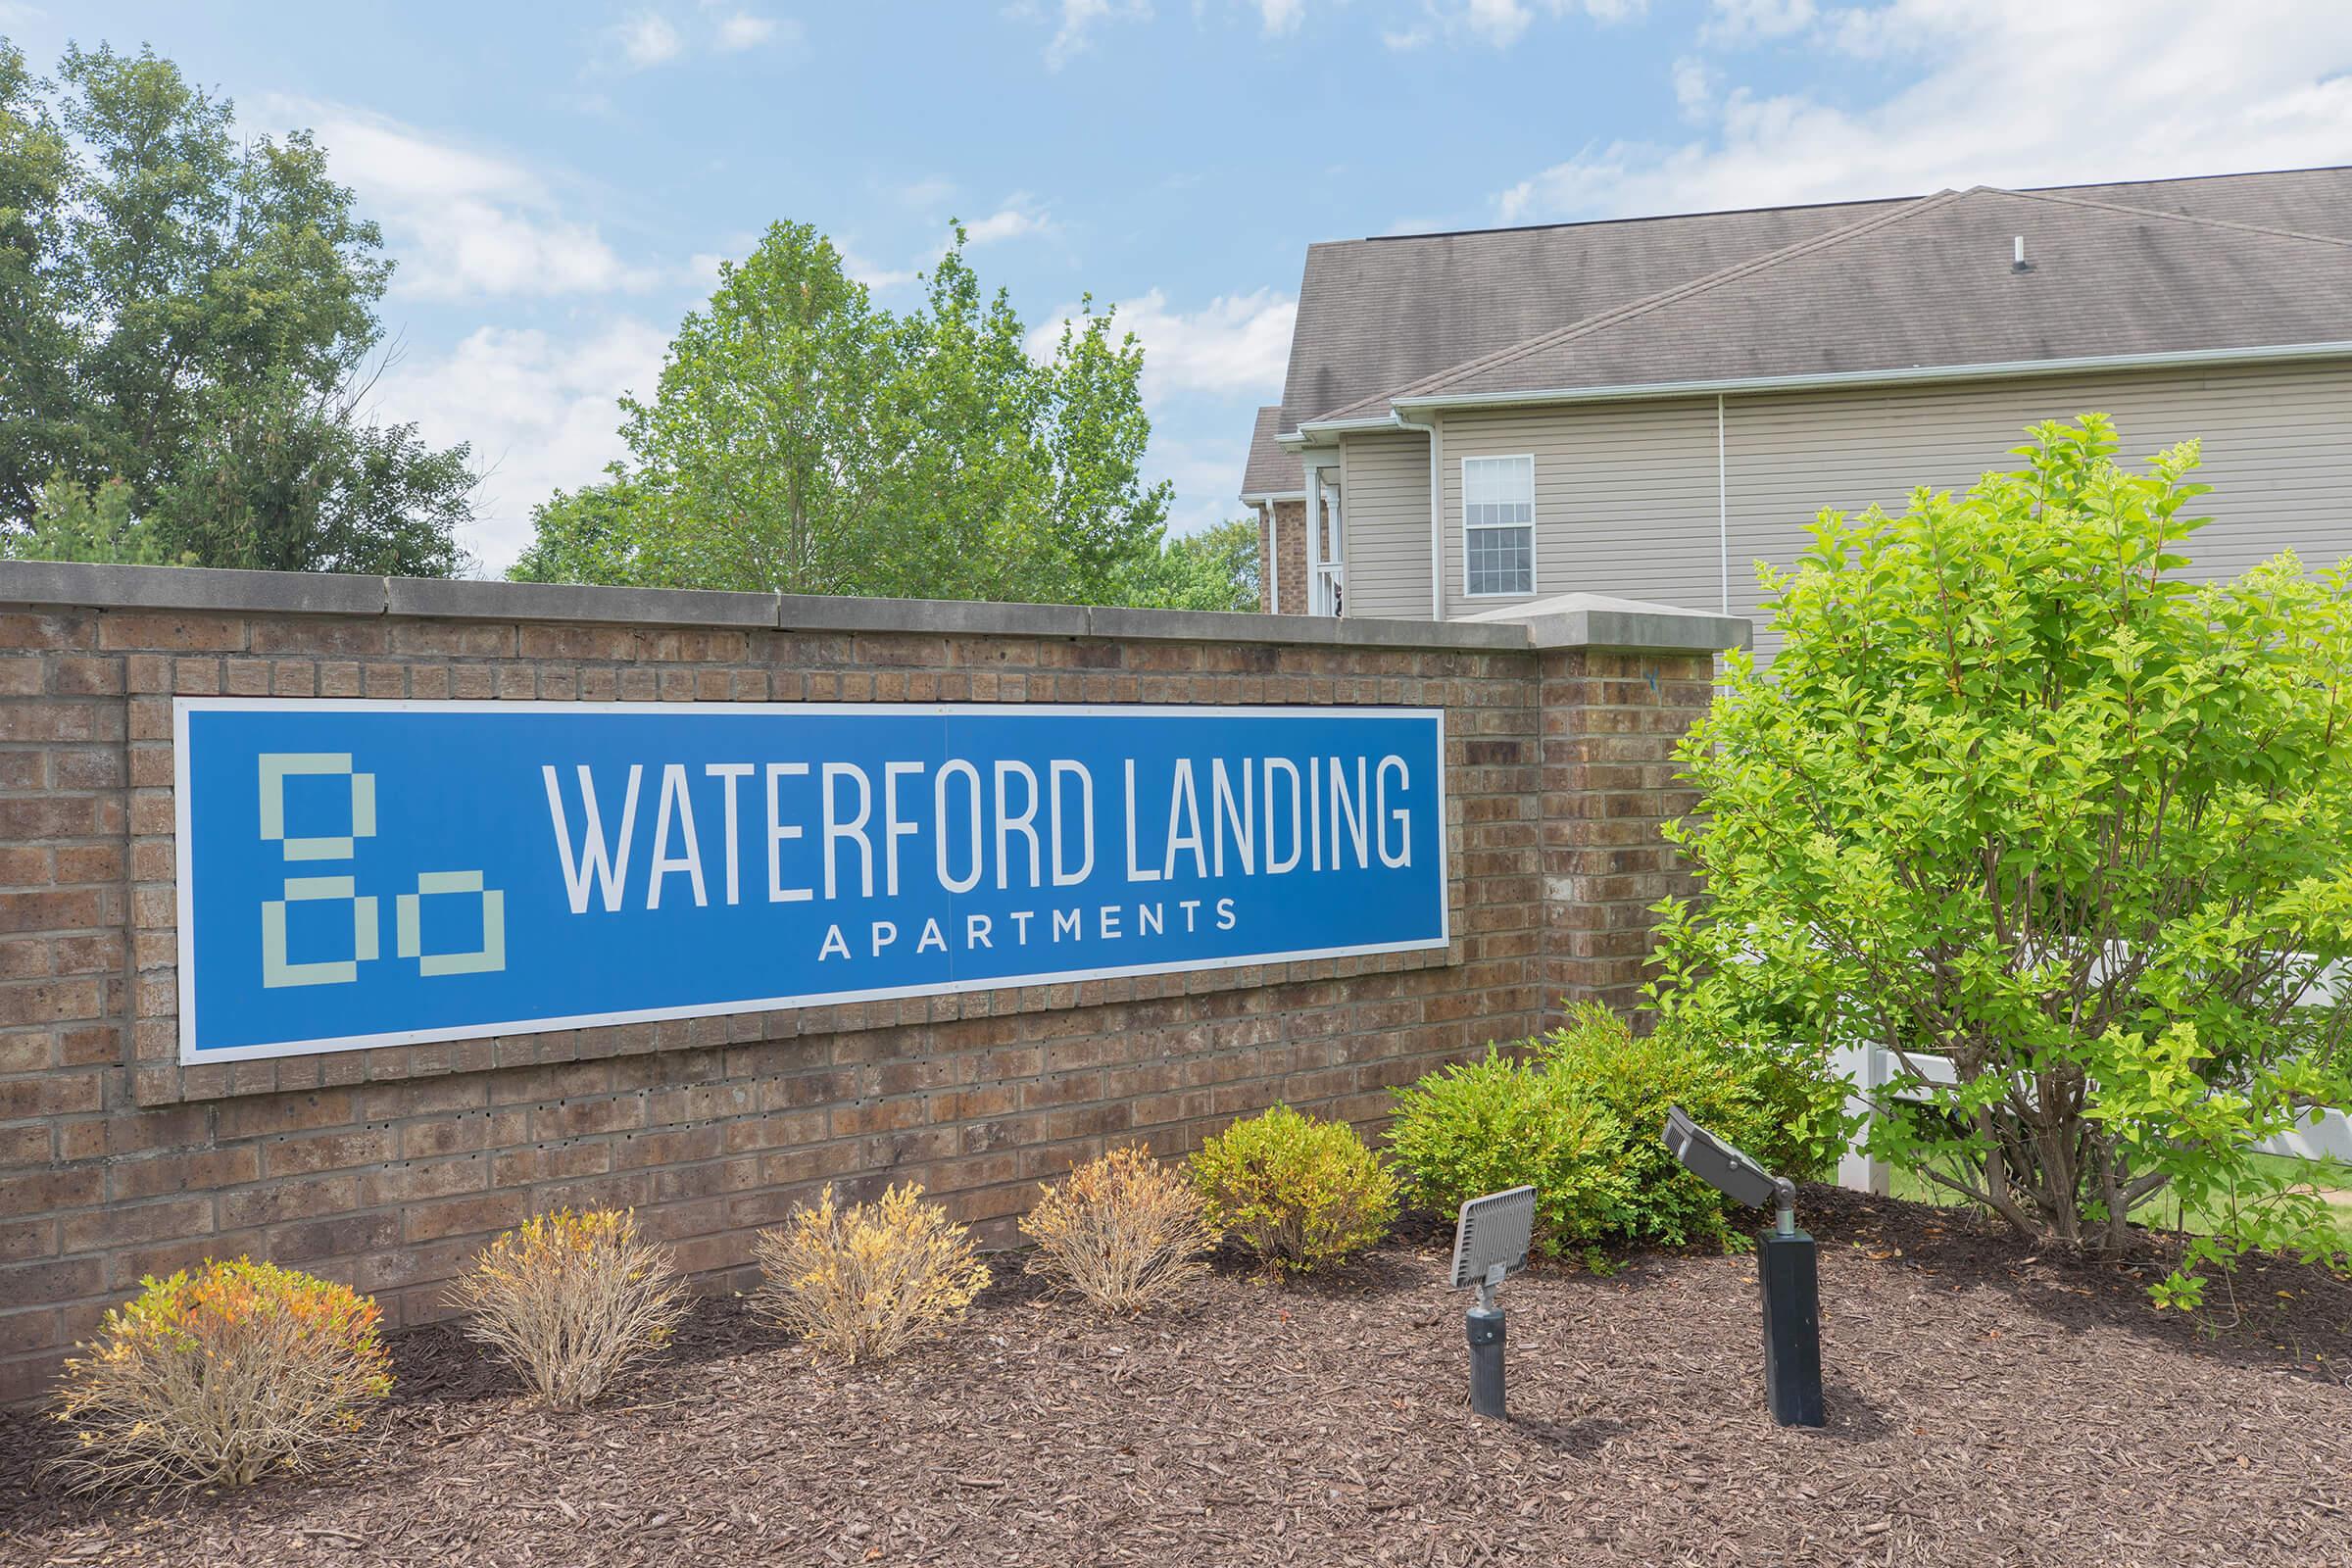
[1870, 1068]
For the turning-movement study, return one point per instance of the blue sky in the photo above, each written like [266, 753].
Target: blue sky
[557, 182]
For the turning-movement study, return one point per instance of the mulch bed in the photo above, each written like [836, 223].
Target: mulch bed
[1986, 1406]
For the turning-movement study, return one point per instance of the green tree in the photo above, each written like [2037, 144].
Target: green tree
[803, 439]
[72, 524]
[37, 431]
[1215, 569]
[192, 316]
[587, 535]
[2016, 794]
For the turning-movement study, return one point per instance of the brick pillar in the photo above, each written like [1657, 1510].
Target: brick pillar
[1290, 530]
[1610, 721]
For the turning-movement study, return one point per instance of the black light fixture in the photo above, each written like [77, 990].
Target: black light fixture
[1786, 1267]
[1490, 1241]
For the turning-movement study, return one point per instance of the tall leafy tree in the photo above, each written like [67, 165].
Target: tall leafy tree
[1215, 569]
[803, 439]
[2070, 833]
[192, 316]
[38, 432]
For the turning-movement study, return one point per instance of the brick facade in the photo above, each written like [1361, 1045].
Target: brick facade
[390, 1167]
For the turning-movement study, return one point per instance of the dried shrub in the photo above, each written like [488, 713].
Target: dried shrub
[867, 1281]
[1123, 1231]
[218, 1375]
[572, 1301]
[1297, 1192]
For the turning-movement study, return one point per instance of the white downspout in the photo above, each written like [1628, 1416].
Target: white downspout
[1723, 507]
[1315, 535]
[1437, 513]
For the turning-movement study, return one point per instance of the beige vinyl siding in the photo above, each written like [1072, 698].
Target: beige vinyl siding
[2278, 449]
[1625, 500]
[1625, 497]
[1384, 487]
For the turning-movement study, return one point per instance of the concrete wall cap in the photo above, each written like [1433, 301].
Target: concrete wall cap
[1598, 620]
[107, 587]
[1569, 620]
[465, 599]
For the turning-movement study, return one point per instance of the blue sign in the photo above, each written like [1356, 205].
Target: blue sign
[357, 873]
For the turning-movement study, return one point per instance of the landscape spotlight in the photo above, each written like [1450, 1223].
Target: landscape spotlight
[1786, 1267]
[1490, 1241]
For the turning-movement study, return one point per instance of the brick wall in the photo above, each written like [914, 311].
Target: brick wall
[390, 1167]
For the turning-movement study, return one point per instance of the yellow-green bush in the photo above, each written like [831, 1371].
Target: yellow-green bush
[572, 1301]
[1480, 1127]
[1298, 1193]
[218, 1375]
[1576, 1114]
[869, 1280]
[1789, 1120]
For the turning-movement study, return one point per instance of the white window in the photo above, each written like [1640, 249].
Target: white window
[1499, 525]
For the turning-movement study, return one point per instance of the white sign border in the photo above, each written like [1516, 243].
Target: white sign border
[183, 869]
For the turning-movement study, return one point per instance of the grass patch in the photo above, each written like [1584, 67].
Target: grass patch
[2330, 1179]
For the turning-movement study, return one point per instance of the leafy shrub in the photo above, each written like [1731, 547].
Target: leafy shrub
[1297, 1192]
[216, 1376]
[1123, 1231]
[1789, 1118]
[2017, 793]
[572, 1301]
[1503, 1122]
[867, 1281]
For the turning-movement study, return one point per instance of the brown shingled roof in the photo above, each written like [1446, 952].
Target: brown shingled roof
[1270, 471]
[2142, 267]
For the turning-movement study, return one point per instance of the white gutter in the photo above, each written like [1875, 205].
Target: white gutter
[1270, 497]
[1308, 429]
[1436, 518]
[1899, 376]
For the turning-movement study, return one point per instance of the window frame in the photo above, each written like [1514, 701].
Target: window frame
[1534, 564]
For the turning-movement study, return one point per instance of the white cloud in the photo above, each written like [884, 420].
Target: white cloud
[648, 39]
[1737, 21]
[1019, 216]
[873, 274]
[1694, 86]
[1281, 15]
[461, 222]
[1080, 18]
[2009, 92]
[1238, 343]
[928, 192]
[541, 414]
[1501, 23]
[1206, 473]
[744, 30]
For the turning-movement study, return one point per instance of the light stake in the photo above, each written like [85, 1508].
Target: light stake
[1786, 1267]
[1490, 1241]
